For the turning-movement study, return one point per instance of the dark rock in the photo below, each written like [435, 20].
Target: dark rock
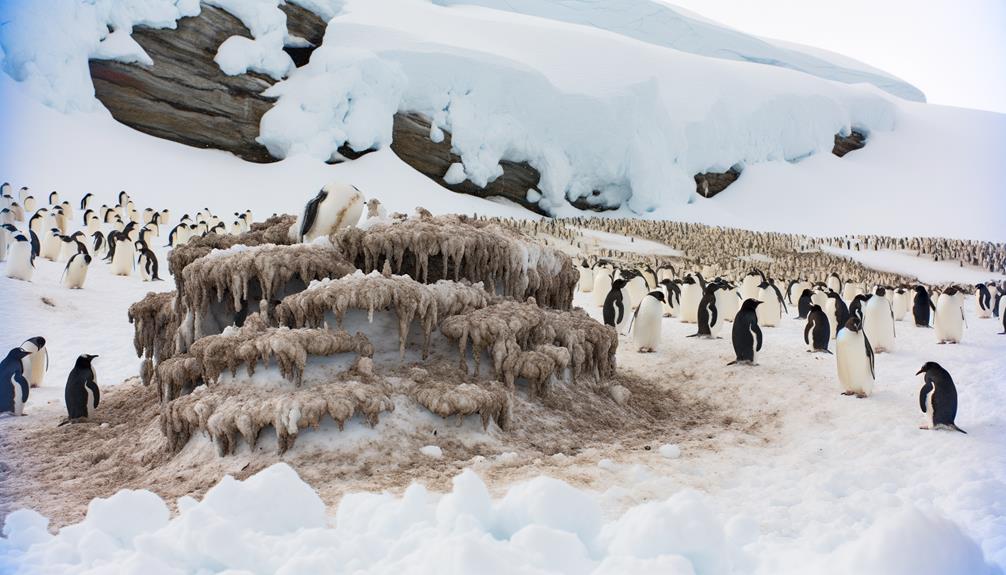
[846, 144]
[709, 184]
[304, 23]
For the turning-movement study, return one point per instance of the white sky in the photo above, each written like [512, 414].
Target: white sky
[953, 50]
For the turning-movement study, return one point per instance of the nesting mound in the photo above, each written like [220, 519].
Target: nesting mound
[457, 247]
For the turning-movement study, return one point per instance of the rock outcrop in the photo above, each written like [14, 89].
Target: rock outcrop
[709, 184]
[845, 144]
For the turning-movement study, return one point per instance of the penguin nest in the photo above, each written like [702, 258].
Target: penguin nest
[455, 247]
[407, 297]
[534, 343]
[230, 411]
[250, 345]
[489, 400]
[155, 324]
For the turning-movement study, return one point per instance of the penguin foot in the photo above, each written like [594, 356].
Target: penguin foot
[861, 395]
[848, 393]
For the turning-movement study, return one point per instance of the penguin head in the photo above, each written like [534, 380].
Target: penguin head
[929, 365]
[18, 353]
[806, 293]
[750, 304]
[85, 359]
[658, 295]
[618, 284]
[854, 324]
[880, 291]
[815, 308]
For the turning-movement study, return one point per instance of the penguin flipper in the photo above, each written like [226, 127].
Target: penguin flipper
[757, 331]
[926, 390]
[806, 332]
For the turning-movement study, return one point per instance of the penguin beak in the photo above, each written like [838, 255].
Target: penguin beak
[920, 371]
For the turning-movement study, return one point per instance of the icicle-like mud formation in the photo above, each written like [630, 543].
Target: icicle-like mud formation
[155, 323]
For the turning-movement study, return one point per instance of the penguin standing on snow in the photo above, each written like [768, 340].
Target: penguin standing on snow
[121, 252]
[614, 305]
[672, 297]
[773, 305]
[856, 307]
[837, 312]
[900, 303]
[746, 335]
[817, 333]
[878, 322]
[646, 323]
[602, 285]
[983, 307]
[13, 384]
[854, 356]
[147, 262]
[938, 397]
[586, 283]
[36, 363]
[82, 394]
[804, 303]
[335, 207]
[75, 272]
[21, 265]
[709, 319]
[922, 306]
[691, 295]
[949, 320]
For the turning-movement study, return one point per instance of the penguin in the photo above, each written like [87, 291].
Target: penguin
[804, 303]
[1003, 318]
[878, 322]
[817, 333]
[82, 394]
[856, 307]
[772, 307]
[636, 286]
[728, 301]
[614, 305]
[795, 287]
[85, 201]
[851, 290]
[13, 384]
[53, 198]
[336, 206]
[819, 296]
[899, 305]
[98, 245]
[837, 311]
[646, 322]
[36, 363]
[709, 319]
[602, 285]
[586, 283]
[672, 297]
[121, 252]
[146, 262]
[983, 303]
[834, 282]
[855, 360]
[750, 284]
[7, 233]
[21, 265]
[29, 203]
[75, 271]
[691, 295]
[938, 397]
[52, 245]
[922, 305]
[949, 321]
[746, 335]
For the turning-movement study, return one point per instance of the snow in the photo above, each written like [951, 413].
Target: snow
[670, 451]
[923, 268]
[432, 451]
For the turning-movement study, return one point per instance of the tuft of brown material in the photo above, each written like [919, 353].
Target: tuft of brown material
[155, 323]
[428, 249]
[447, 399]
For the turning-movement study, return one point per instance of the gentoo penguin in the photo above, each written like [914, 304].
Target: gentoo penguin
[672, 297]
[938, 397]
[746, 335]
[335, 207]
[691, 295]
[949, 321]
[36, 363]
[122, 252]
[854, 357]
[602, 285]
[82, 394]
[147, 262]
[13, 384]
[983, 303]
[837, 312]
[21, 265]
[922, 306]
[899, 305]
[709, 318]
[804, 303]
[646, 323]
[772, 307]
[614, 313]
[878, 322]
[75, 271]
[586, 283]
[817, 333]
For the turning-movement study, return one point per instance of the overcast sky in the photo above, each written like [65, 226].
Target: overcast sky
[953, 50]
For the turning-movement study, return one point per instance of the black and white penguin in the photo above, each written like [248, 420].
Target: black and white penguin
[7, 234]
[672, 297]
[586, 283]
[85, 201]
[922, 306]
[691, 295]
[647, 322]
[983, 303]
[21, 264]
[856, 307]
[746, 335]
[53, 198]
[773, 305]
[82, 394]
[878, 322]
[602, 285]
[837, 312]
[36, 363]
[751, 283]
[835, 282]
[121, 252]
[13, 384]
[336, 206]
[817, 333]
[709, 318]
[614, 305]
[147, 262]
[855, 360]
[804, 303]
[900, 303]
[75, 272]
[949, 321]
[938, 397]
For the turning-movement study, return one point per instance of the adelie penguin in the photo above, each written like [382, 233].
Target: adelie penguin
[772, 307]
[804, 303]
[837, 312]
[746, 335]
[147, 262]
[75, 272]
[14, 386]
[709, 318]
[602, 285]
[615, 304]
[691, 295]
[21, 264]
[646, 322]
[854, 357]
[36, 363]
[938, 397]
[336, 206]
[878, 322]
[817, 333]
[82, 394]
[983, 301]
[949, 321]
[922, 307]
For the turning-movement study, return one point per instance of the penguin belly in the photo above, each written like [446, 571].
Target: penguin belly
[586, 280]
[76, 274]
[122, 261]
[850, 292]
[834, 284]
[637, 289]
[730, 304]
[602, 285]
[691, 295]
[878, 324]
[900, 306]
[5, 241]
[769, 312]
[626, 312]
[949, 321]
[141, 263]
[646, 327]
[749, 287]
[831, 310]
[819, 298]
[853, 363]
[982, 312]
[52, 245]
[19, 267]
